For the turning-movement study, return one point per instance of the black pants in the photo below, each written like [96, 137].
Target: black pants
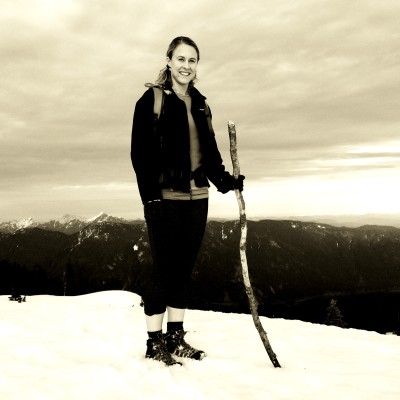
[175, 242]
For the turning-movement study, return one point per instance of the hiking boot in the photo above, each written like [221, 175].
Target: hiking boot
[157, 350]
[176, 345]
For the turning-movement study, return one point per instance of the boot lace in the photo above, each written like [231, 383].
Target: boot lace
[177, 346]
[158, 351]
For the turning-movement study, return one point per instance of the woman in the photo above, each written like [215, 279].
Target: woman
[174, 159]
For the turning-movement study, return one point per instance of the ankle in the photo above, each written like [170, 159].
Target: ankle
[174, 326]
[156, 335]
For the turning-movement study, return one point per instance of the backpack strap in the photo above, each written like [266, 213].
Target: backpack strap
[158, 102]
[208, 115]
[157, 109]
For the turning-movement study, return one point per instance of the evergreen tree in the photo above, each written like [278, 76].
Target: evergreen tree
[69, 279]
[334, 316]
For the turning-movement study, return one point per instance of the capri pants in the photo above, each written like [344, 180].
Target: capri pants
[175, 241]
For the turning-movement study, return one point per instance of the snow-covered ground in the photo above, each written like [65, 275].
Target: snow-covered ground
[92, 347]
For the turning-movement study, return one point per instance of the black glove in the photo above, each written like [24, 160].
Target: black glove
[153, 210]
[238, 182]
[229, 182]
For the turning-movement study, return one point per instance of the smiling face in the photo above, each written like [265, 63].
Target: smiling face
[183, 64]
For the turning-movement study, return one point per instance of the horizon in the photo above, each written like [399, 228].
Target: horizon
[357, 219]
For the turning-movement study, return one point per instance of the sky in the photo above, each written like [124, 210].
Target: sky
[92, 347]
[313, 87]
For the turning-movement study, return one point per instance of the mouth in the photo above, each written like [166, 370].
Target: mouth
[184, 73]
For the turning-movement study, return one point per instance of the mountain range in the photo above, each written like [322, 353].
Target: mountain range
[67, 223]
[296, 267]
[71, 223]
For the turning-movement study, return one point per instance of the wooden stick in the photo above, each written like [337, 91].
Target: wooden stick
[243, 243]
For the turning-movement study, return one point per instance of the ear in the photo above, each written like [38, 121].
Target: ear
[168, 62]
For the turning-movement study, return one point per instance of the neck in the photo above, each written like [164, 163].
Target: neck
[180, 89]
[181, 92]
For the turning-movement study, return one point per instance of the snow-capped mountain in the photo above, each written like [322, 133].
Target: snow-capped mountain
[67, 218]
[25, 223]
[13, 226]
[103, 217]
[67, 223]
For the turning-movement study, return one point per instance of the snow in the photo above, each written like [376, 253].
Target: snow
[67, 218]
[25, 223]
[96, 217]
[92, 347]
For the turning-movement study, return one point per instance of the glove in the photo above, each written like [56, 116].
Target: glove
[229, 182]
[153, 210]
[238, 182]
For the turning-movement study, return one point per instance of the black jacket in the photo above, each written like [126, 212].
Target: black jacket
[165, 151]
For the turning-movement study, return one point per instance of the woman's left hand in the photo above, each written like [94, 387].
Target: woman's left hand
[229, 182]
[237, 183]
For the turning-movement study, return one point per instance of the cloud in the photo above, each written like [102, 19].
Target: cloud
[308, 84]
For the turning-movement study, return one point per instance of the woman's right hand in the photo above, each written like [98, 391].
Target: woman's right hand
[153, 210]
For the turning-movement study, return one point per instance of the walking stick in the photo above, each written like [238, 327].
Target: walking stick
[242, 247]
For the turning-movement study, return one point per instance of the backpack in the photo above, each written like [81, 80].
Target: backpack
[159, 103]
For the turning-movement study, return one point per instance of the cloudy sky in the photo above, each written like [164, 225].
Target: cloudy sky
[313, 87]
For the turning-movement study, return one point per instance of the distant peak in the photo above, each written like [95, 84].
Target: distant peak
[25, 223]
[100, 216]
[69, 217]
